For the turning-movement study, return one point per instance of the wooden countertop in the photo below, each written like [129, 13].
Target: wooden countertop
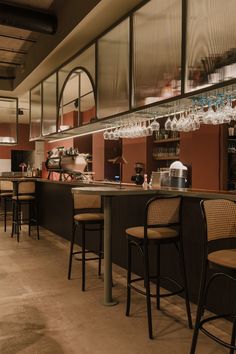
[135, 190]
[113, 188]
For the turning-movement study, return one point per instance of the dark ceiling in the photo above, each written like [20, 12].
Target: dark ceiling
[21, 22]
[37, 36]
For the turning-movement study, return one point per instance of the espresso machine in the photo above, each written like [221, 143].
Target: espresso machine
[138, 177]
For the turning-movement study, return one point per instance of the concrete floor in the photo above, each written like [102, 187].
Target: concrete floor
[42, 312]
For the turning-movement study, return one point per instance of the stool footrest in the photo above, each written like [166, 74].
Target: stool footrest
[87, 252]
[212, 336]
[140, 291]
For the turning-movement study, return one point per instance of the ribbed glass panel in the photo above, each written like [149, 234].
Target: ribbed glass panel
[211, 42]
[8, 120]
[77, 100]
[86, 60]
[157, 51]
[35, 112]
[49, 121]
[113, 71]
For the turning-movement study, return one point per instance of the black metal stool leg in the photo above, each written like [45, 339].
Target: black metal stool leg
[19, 215]
[100, 251]
[158, 272]
[36, 217]
[83, 257]
[71, 249]
[17, 222]
[147, 286]
[233, 337]
[201, 301]
[29, 217]
[184, 277]
[128, 298]
[13, 220]
[5, 214]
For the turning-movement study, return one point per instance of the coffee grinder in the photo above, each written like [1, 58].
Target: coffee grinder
[138, 178]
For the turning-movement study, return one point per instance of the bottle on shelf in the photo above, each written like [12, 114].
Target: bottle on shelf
[145, 182]
[29, 170]
[34, 172]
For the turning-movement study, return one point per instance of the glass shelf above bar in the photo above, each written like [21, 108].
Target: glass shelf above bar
[170, 140]
[176, 157]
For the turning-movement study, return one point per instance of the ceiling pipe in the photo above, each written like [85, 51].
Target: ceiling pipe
[7, 77]
[28, 19]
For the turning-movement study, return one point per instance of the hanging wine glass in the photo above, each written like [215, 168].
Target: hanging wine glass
[209, 116]
[116, 134]
[106, 135]
[149, 128]
[155, 125]
[228, 110]
[174, 123]
[168, 124]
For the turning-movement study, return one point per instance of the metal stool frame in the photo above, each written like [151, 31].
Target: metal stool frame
[219, 271]
[143, 246]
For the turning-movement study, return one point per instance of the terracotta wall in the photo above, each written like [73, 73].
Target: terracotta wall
[201, 150]
[134, 150]
[65, 143]
[70, 119]
[83, 144]
[98, 156]
[87, 115]
[23, 142]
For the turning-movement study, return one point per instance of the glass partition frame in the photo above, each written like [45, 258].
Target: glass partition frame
[210, 44]
[184, 93]
[80, 60]
[156, 52]
[46, 112]
[12, 132]
[39, 114]
[78, 99]
[113, 71]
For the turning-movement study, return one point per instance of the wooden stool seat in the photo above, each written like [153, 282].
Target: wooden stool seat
[153, 234]
[224, 258]
[89, 217]
[24, 197]
[6, 194]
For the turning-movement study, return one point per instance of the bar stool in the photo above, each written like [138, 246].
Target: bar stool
[161, 226]
[220, 223]
[6, 188]
[24, 196]
[89, 217]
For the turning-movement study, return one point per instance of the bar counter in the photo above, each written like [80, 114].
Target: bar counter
[127, 209]
[126, 187]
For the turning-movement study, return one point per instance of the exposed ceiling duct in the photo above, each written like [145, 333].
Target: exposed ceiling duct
[28, 19]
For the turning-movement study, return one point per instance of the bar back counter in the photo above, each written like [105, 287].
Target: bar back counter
[56, 211]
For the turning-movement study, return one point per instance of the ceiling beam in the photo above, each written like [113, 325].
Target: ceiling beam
[14, 51]
[10, 62]
[29, 19]
[19, 38]
[7, 77]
